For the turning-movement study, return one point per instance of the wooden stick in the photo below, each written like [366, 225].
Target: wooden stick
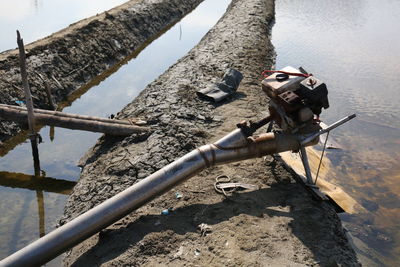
[57, 82]
[47, 90]
[12, 114]
[76, 116]
[24, 76]
[29, 104]
[51, 133]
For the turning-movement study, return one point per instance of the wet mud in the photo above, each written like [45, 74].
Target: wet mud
[279, 224]
[70, 58]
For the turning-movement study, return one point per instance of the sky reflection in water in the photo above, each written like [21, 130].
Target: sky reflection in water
[354, 47]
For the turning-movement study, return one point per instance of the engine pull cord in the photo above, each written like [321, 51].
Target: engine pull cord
[322, 155]
[305, 75]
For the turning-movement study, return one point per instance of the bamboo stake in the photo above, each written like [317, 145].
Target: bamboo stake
[29, 104]
[72, 123]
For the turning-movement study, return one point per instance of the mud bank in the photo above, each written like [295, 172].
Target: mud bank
[278, 225]
[69, 59]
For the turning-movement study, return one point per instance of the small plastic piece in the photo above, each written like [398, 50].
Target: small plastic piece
[166, 211]
[219, 91]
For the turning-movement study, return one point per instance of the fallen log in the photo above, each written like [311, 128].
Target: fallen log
[132, 121]
[100, 125]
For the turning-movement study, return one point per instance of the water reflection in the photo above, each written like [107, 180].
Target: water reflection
[37, 4]
[16, 211]
[354, 47]
[40, 204]
[36, 183]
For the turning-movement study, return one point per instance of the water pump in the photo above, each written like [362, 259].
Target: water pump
[296, 101]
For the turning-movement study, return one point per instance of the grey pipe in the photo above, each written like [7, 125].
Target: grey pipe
[233, 147]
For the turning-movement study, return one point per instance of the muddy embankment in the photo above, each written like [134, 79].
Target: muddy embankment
[278, 225]
[74, 56]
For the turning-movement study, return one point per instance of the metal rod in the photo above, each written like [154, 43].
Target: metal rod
[321, 158]
[233, 147]
[327, 129]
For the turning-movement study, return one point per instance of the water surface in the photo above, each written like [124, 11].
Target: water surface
[354, 47]
[36, 19]
[351, 45]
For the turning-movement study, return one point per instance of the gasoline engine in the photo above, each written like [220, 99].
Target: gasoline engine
[296, 99]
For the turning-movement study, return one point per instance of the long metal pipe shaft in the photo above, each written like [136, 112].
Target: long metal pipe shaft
[233, 147]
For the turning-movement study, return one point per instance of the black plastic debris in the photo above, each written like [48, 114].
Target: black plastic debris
[219, 91]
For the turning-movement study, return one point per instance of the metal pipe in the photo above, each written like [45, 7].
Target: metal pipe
[233, 147]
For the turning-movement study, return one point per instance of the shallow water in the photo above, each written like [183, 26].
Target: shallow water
[20, 222]
[36, 19]
[353, 46]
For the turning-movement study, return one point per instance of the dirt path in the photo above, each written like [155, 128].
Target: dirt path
[73, 57]
[277, 225]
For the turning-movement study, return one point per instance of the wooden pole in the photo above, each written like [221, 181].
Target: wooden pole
[20, 115]
[133, 121]
[25, 84]
[51, 133]
[29, 104]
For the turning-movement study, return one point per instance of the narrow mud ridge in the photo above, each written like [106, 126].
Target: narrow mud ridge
[278, 225]
[74, 56]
